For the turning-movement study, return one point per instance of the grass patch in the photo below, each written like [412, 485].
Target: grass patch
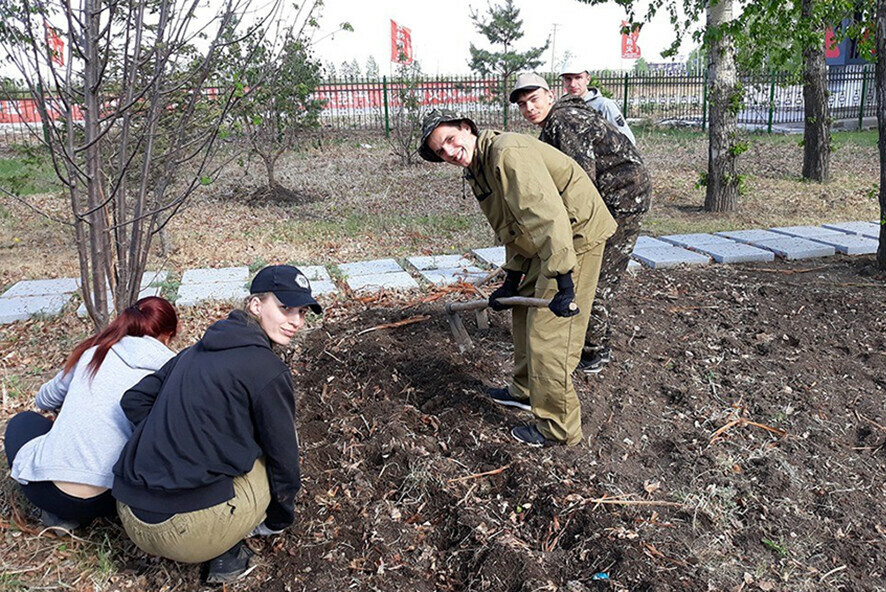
[356, 225]
[28, 172]
[11, 583]
[864, 138]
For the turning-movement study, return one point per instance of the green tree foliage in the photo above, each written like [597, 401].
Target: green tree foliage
[350, 69]
[372, 72]
[772, 34]
[278, 105]
[502, 27]
[719, 39]
[407, 113]
[696, 62]
[640, 66]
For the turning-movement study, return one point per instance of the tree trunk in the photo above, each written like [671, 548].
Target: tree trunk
[96, 215]
[270, 161]
[817, 117]
[881, 125]
[722, 180]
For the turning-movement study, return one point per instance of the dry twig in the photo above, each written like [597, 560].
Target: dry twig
[477, 475]
[870, 421]
[741, 421]
[676, 309]
[789, 271]
[627, 501]
[409, 321]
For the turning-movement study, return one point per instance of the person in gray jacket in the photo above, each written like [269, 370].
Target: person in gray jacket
[65, 466]
[575, 82]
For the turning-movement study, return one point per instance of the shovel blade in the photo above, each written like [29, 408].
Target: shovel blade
[459, 333]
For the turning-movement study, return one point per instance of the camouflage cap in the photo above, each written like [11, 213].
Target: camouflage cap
[430, 123]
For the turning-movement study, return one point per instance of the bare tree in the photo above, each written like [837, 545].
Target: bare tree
[136, 117]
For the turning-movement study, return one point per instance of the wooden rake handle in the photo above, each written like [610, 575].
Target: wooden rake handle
[454, 307]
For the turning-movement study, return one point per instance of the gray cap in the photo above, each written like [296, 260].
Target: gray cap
[572, 67]
[430, 123]
[527, 81]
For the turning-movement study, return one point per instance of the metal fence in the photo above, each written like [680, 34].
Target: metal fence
[769, 100]
[371, 104]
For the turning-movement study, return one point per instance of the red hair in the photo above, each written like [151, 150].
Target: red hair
[152, 316]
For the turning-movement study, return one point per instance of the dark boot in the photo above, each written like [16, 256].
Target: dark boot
[228, 566]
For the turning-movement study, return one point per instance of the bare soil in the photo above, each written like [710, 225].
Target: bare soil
[736, 442]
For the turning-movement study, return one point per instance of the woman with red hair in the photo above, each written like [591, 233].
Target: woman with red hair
[65, 466]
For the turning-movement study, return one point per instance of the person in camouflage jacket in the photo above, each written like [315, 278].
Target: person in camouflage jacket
[616, 167]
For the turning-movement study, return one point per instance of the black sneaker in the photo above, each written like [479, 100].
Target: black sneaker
[503, 396]
[230, 565]
[529, 434]
[50, 520]
[595, 363]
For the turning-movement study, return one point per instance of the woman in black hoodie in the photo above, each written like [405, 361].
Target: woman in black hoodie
[214, 453]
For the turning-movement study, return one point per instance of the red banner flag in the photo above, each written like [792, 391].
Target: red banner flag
[54, 44]
[630, 50]
[401, 44]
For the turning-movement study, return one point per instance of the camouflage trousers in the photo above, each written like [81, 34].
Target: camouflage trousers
[615, 261]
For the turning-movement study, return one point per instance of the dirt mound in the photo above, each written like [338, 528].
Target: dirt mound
[281, 196]
[737, 439]
[736, 442]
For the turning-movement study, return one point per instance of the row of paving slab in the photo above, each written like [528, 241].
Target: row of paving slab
[29, 298]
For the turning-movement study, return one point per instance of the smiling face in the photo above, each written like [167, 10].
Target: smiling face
[535, 105]
[279, 322]
[576, 84]
[453, 143]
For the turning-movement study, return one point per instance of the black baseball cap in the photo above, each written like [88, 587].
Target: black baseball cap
[288, 284]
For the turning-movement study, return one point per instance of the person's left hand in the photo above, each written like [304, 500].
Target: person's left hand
[563, 303]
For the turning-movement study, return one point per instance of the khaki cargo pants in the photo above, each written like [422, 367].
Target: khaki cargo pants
[198, 536]
[547, 348]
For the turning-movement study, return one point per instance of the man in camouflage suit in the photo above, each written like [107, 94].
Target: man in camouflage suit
[613, 163]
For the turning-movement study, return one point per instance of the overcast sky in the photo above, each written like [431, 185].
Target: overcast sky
[443, 31]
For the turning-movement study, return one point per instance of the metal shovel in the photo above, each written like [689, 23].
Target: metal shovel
[460, 334]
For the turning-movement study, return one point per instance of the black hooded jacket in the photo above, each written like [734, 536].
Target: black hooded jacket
[204, 418]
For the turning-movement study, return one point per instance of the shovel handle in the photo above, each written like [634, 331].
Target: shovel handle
[453, 307]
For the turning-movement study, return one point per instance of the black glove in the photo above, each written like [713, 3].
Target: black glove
[563, 303]
[508, 288]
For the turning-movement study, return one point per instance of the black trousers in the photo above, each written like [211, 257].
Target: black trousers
[20, 430]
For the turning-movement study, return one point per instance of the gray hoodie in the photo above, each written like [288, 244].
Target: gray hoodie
[610, 111]
[91, 429]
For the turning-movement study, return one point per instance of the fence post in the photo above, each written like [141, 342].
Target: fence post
[704, 101]
[771, 101]
[864, 92]
[624, 110]
[384, 90]
[505, 104]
